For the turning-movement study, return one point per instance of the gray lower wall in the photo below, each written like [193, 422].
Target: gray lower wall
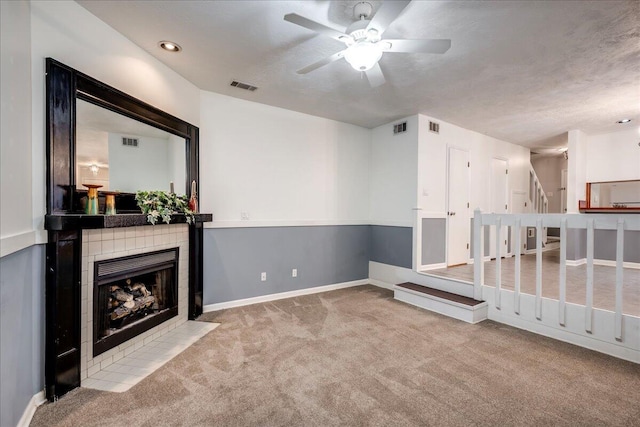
[21, 331]
[605, 242]
[392, 245]
[434, 241]
[323, 255]
[487, 241]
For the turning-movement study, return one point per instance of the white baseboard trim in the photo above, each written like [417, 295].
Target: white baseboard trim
[609, 263]
[428, 267]
[603, 262]
[282, 295]
[381, 284]
[36, 400]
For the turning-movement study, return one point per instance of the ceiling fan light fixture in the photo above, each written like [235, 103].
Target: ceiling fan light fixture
[363, 55]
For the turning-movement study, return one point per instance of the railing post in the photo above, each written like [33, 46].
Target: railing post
[498, 285]
[478, 255]
[517, 236]
[563, 272]
[589, 304]
[619, 276]
[539, 268]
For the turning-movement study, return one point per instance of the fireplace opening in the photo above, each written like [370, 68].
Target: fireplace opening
[132, 295]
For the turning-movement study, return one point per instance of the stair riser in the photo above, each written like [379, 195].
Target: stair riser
[467, 314]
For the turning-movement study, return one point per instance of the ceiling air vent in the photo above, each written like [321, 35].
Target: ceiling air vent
[129, 142]
[241, 85]
[434, 127]
[399, 128]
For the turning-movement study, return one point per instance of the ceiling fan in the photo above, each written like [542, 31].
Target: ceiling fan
[363, 39]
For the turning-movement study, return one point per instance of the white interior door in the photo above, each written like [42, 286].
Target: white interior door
[563, 192]
[458, 224]
[499, 191]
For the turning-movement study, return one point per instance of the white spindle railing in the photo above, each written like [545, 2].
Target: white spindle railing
[591, 222]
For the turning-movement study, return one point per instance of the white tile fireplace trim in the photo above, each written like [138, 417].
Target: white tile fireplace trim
[102, 244]
[123, 374]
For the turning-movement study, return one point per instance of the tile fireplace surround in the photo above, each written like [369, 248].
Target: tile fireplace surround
[108, 243]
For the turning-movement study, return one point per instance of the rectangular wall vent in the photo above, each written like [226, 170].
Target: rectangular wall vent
[434, 127]
[129, 142]
[400, 127]
[245, 86]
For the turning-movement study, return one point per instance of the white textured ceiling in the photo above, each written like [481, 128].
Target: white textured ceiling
[522, 71]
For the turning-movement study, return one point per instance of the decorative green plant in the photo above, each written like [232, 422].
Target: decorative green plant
[160, 204]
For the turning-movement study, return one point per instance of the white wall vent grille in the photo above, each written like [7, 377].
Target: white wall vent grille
[399, 128]
[129, 142]
[245, 86]
[434, 127]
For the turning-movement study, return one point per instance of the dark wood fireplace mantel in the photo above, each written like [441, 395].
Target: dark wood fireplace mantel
[64, 224]
[85, 222]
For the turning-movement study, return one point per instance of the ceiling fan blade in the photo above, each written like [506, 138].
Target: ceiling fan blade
[418, 46]
[375, 76]
[387, 13]
[322, 62]
[294, 18]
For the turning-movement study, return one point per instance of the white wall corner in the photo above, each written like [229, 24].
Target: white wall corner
[576, 169]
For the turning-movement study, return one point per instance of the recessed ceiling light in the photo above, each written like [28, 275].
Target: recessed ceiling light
[623, 121]
[170, 46]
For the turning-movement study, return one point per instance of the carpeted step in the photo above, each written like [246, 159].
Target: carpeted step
[452, 305]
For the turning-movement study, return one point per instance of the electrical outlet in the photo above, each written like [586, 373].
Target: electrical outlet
[294, 272]
[263, 276]
[244, 216]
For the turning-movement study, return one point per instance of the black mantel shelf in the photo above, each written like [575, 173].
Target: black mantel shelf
[83, 221]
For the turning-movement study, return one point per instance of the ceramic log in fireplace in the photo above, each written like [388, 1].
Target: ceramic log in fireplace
[133, 294]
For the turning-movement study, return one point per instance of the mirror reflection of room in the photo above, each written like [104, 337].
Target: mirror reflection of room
[125, 155]
[621, 194]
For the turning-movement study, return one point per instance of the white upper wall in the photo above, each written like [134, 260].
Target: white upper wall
[70, 34]
[613, 156]
[280, 166]
[15, 124]
[432, 161]
[394, 174]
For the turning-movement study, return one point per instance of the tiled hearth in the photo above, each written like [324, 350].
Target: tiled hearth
[102, 244]
[126, 372]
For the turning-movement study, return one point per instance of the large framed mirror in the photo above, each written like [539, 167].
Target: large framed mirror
[99, 135]
[610, 196]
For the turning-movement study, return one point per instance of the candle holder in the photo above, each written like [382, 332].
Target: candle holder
[110, 202]
[91, 208]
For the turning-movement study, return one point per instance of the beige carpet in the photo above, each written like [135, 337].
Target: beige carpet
[357, 357]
